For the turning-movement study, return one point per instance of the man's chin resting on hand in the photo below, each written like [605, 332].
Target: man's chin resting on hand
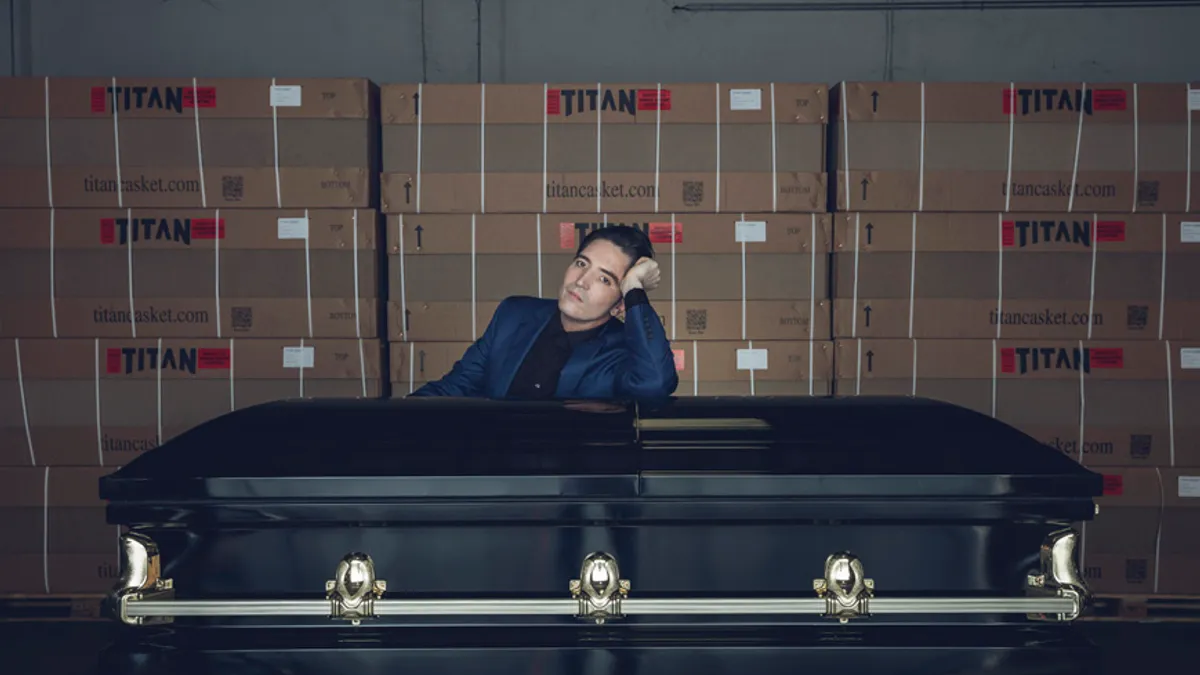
[575, 347]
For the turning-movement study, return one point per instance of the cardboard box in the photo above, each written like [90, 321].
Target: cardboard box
[56, 538]
[705, 367]
[1179, 553]
[188, 143]
[190, 273]
[103, 402]
[1120, 546]
[603, 147]
[1123, 403]
[1016, 275]
[449, 272]
[1004, 146]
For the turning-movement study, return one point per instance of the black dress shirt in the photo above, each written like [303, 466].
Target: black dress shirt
[537, 378]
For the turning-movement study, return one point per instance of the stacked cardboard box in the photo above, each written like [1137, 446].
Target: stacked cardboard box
[490, 189]
[170, 250]
[1029, 251]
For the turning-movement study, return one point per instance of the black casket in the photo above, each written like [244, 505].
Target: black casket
[703, 535]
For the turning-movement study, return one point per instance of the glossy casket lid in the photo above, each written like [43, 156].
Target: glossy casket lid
[706, 447]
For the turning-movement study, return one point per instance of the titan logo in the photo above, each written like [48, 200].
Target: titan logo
[1022, 233]
[572, 234]
[181, 230]
[568, 102]
[1032, 101]
[1023, 360]
[129, 360]
[171, 99]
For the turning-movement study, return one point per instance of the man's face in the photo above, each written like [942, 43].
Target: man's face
[591, 290]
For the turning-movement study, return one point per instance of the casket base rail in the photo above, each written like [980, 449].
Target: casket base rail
[843, 592]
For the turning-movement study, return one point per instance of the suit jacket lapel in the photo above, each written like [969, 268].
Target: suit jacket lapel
[524, 334]
[581, 358]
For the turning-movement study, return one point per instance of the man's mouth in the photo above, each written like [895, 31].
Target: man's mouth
[575, 296]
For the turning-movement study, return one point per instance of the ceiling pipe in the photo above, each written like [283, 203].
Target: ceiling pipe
[926, 5]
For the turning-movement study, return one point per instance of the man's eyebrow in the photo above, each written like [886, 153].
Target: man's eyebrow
[606, 271]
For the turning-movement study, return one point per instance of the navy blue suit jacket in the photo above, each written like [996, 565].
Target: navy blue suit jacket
[629, 360]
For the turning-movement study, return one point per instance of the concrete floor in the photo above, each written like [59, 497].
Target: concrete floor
[70, 648]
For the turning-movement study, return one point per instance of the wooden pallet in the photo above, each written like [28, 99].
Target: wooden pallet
[1150, 608]
[51, 608]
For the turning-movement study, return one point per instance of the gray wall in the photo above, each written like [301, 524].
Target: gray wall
[586, 40]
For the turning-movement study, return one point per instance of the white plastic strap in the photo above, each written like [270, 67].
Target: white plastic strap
[420, 115]
[99, 432]
[718, 206]
[1012, 121]
[232, 399]
[812, 290]
[275, 131]
[845, 104]
[53, 292]
[921, 175]
[474, 281]
[1092, 281]
[403, 293]
[695, 369]
[412, 368]
[46, 529]
[673, 285]
[357, 312]
[1187, 177]
[858, 369]
[538, 242]
[912, 277]
[199, 145]
[999, 273]
[482, 147]
[1078, 143]
[362, 366]
[1162, 285]
[1162, 499]
[217, 269]
[657, 146]
[599, 117]
[49, 154]
[743, 243]
[158, 387]
[545, 141]
[914, 367]
[1170, 401]
[308, 272]
[811, 365]
[1082, 405]
[854, 286]
[995, 347]
[129, 254]
[117, 145]
[750, 346]
[1136, 158]
[774, 146]
[300, 368]
[24, 406]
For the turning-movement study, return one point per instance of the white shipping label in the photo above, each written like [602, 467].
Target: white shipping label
[1193, 99]
[297, 357]
[745, 99]
[285, 96]
[1189, 358]
[752, 359]
[751, 231]
[1189, 232]
[293, 228]
[1189, 486]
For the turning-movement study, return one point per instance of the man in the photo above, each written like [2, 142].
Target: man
[573, 347]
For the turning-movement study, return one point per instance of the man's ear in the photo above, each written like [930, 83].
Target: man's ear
[618, 310]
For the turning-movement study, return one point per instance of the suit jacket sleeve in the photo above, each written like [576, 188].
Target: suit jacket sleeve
[650, 368]
[468, 377]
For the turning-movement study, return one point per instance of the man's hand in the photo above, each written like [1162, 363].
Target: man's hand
[645, 275]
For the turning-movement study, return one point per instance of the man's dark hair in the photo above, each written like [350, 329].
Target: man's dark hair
[632, 241]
